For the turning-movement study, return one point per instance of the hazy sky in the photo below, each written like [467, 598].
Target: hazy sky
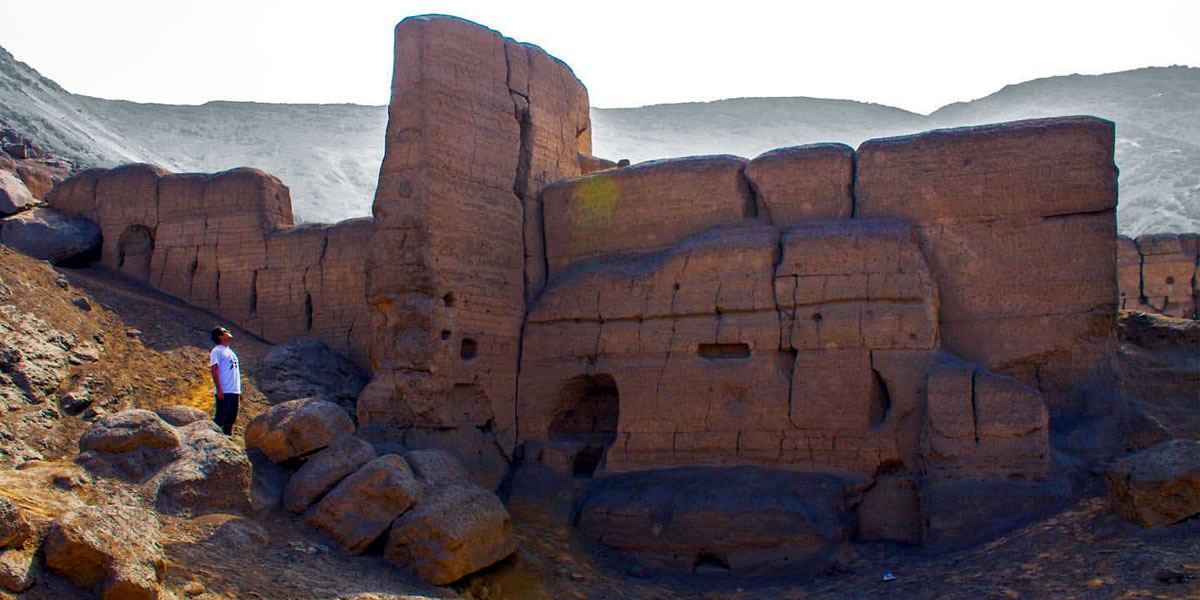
[913, 54]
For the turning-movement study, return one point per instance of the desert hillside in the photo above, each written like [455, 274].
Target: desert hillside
[330, 154]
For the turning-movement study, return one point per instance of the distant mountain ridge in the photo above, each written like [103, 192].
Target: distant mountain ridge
[330, 154]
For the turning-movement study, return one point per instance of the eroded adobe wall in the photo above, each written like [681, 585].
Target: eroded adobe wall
[791, 310]
[1018, 224]
[226, 242]
[1160, 273]
[477, 125]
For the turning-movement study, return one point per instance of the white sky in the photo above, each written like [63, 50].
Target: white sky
[914, 54]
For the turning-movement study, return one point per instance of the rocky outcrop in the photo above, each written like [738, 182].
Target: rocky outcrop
[47, 234]
[189, 470]
[111, 550]
[1157, 486]
[307, 368]
[297, 428]
[179, 415]
[14, 196]
[133, 445]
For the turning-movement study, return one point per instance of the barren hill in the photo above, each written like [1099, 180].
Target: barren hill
[330, 154]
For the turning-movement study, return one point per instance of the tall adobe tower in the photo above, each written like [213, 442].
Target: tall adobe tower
[477, 124]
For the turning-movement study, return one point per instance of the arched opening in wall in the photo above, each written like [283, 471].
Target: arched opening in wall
[880, 401]
[134, 248]
[586, 413]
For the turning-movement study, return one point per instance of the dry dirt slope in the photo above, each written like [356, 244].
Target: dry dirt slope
[136, 347]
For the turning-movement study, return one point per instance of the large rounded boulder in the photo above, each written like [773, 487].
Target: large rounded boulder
[46, 234]
[307, 368]
[360, 509]
[455, 529]
[213, 475]
[112, 550]
[324, 470]
[13, 193]
[297, 428]
[132, 445]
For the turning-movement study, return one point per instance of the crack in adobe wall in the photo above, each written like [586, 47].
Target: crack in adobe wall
[975, 404]
[671, 339]
[522, 114]
[854, 184]
[1196, 286]
[1082, 213]
[761, 209]
[751, 206]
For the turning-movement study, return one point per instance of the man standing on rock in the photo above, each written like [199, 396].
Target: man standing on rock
[227, 379]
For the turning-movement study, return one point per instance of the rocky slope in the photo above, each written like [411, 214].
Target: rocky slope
[330, 154]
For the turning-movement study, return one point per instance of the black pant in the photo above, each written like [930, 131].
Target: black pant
[227, 409]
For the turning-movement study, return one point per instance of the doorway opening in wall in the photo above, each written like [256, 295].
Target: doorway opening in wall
[134, 249]
[585, 418]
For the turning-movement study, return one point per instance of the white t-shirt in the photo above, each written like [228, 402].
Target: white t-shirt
[229, 371]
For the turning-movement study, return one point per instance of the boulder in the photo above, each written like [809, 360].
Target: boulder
[17, 572]
[453, 531]
[14, 527]
[132, 445]
[746, 520]
[179, 415]
[324, 470]
[360, 508]
[297, 427]
[1157, 486]
[212, 476]
[46, 234]
[128, 430]
[14, 196]
[112, 550]
[437, 467]
[307, 368]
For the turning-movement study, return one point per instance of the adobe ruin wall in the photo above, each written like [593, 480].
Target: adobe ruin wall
[226, 242]
[929, 301]
[1160, 273]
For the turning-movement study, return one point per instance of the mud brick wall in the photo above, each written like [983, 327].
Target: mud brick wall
[226, 242]
[1160, 273]
[1018, 224]
[477, 124]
